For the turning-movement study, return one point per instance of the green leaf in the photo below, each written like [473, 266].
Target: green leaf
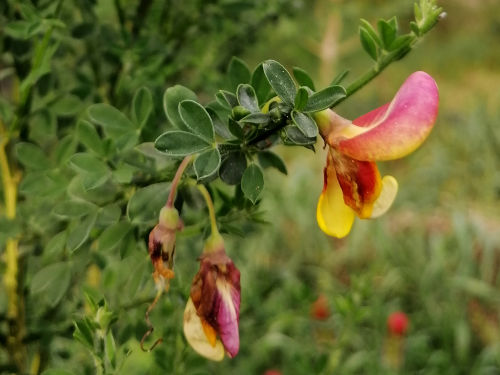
[414, 27]
[387, 32]
[197, 119]
[80, 233]
[280, 81]
[68, 105]
[144, 206]
[74, 208]
[270, 159]
[292, 135]
[401, 42]
[325, 98]
[180, 143]
[114, 122]
[219, 126]
[171, 99]
[32, 156]
[43, 184]
[305, 123]
[52, 281]
[260, 84]
[303, 78]
[109, 214]
[111, 348]
[94, 171]
[142, 106]
[238, 72]
[65, 148]
[124, 173]
[56, 244]
[252, 182]
[84, 333]
[207, 163]
[88, 136]
[22, 29]
[339, 77]
[129, 245]
[368, 43]
[247, 97]
[226, 99]
[371, 31]
[301, 98]
[235, 129]
[113, 235]
[232, 167]
[256, 118]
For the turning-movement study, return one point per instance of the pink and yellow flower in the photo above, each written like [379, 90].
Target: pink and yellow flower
[211, 316]
[352, 182]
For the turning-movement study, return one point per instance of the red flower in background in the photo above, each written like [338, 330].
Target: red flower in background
[397, 323]
[320, 309]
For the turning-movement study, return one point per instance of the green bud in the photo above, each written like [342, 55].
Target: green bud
[239, 112]
[275, 114]
[214, 243]
[169, 218]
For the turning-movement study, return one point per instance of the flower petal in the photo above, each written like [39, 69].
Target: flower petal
[397, 129]
[360, 182]
[228, 314]
[386, 197]
[334, 217]
[195, 335]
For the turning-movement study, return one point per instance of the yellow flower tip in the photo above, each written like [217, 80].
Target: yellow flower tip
[334, 217]
[265, 107]
[386, 197]
[196, 336]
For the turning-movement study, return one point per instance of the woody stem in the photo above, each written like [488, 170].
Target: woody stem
[175, 182]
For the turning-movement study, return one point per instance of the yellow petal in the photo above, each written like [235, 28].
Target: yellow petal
[195, 335]
[386, 197]
[334, 217]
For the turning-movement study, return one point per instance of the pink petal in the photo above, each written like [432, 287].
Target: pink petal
[395, 130]
[371, 117]
[228, 315]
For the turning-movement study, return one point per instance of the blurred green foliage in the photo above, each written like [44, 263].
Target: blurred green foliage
[435, 255]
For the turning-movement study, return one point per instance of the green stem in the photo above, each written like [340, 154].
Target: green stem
[211, 210]
[175, 182]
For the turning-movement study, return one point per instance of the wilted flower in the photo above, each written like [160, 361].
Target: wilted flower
[397, 323]
[213, 308]
[161, 245]
[352, 182]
